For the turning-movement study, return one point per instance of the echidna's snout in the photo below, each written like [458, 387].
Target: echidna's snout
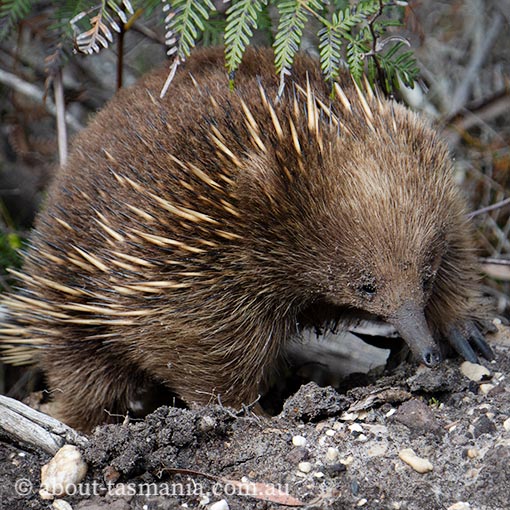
[409, 321]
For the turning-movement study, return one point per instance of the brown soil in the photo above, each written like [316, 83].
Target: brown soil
[179, 458]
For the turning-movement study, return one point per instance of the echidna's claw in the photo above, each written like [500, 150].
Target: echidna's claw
[467, 338]
[478, 341]
[461, 345]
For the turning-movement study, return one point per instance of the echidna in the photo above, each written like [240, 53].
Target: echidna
[189, 238]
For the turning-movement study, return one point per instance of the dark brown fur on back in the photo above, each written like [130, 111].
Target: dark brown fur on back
[187, 236]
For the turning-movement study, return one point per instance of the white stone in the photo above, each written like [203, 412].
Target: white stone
[474, 371]
[304, 467]
[60, 504]
[220, 505]
[485, 388]
[205, 500]
[506, 424]
[419, 464]
[472, 453]
[299, 441]
[332, 454]
[65, 470]
[356, 427]
[460, 506]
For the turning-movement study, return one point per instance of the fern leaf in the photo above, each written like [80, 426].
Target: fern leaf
[184, 23]
[12, 11]
[241, 21]
[403, 67]
[356, 60]
[330, 46]
[101, 25]
[293, 16]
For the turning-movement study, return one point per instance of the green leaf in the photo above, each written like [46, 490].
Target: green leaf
[356, 60]
[241, 21]
[403, 67]
[293, 16]
[184, 23]
[330, 47]
[11, 12]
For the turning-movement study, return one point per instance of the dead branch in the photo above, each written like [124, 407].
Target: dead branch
[30, 427]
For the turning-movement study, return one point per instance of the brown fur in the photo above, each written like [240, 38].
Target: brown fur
[182, 242]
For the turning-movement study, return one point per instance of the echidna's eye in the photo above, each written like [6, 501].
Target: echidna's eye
[369, 289]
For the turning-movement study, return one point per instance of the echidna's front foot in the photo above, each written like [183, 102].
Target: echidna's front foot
[466, 338]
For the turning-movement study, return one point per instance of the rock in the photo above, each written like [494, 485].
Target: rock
[474, 372]
[299, 441]
[419, 464]
[417, 416]
[220, 505]
[483, 426]
[332, 454]
[305, 467]
[63, 473]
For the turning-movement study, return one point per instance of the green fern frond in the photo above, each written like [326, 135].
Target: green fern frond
[293, 16]
[184, 23]
[356, 60]
[11, 12]
[398, 67]
[330, 50]
[241, 21]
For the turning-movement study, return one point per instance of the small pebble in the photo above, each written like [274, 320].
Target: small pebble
[472, 453]
[206, 424]
[204, 500]
[483, 426]
[349, 416]
[60, 504]
[506, 424]
[485, 388]
[220, 505]
[356, 427]
[460, 506]
[419, 464]
[330, 433]
[474, 371]
[299, 441]
[65, 469]
[362, 502]
[347, 461]
[332, 454]
[305, 467]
